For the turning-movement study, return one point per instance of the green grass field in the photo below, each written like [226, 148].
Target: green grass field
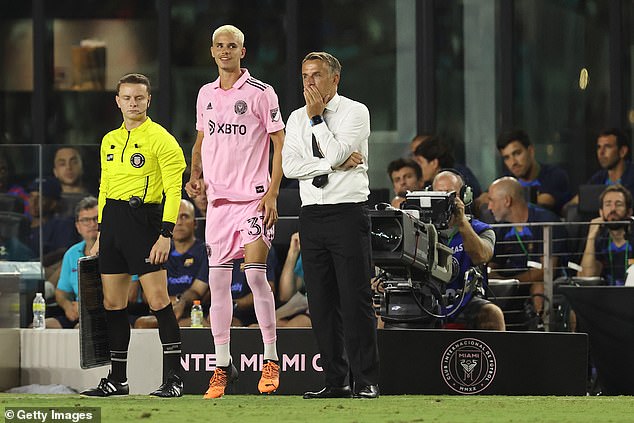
[406, 408]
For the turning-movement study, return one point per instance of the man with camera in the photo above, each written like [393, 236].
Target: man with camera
[472, 244]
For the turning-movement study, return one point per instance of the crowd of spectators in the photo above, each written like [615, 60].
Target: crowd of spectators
[48, 218]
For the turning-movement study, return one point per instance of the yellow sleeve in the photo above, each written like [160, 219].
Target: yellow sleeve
[103, 180]
[171, 161]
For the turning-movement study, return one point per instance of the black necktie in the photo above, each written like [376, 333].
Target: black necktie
[321, 180]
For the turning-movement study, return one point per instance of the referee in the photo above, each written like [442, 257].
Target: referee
[140, 162]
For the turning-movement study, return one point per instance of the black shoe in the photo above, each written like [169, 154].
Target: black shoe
[107, 388]
[330, 392]
[172, 388]
[368, 391]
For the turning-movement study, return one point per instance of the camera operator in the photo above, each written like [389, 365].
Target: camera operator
[472, 243]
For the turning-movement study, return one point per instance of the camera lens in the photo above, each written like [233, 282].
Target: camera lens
[386, 234]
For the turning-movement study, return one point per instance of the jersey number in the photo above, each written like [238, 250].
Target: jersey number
[255, 229]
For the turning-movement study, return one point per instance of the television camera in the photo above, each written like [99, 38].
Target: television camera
[415, 265]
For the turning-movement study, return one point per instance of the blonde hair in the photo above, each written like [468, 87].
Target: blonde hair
[229, 29]
[329, 59]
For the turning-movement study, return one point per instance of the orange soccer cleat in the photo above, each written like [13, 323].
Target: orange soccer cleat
[222, 377]
[270, 379]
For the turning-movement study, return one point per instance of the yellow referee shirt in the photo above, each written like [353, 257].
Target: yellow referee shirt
[143, 162]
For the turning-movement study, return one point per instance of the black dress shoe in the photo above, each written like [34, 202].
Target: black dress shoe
[330, 392]
[368, 391]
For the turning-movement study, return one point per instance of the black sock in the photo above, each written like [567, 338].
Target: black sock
[119, 339]
[170, 335]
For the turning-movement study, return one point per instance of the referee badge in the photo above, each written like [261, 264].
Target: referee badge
[240, 107]
[137, 160]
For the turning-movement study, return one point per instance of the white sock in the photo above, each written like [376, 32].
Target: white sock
[270, 352]
[223, 357]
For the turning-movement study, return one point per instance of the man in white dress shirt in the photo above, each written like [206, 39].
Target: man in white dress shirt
[326, 148]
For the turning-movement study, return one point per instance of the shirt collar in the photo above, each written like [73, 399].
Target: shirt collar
[239, 83]
[141, 127]
[333, 104]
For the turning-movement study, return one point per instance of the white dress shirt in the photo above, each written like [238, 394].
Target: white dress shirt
[345, 129]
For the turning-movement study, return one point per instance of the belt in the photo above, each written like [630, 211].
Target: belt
[134, 202]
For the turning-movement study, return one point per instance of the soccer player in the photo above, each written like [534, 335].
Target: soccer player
[236, 115]
[140, 163]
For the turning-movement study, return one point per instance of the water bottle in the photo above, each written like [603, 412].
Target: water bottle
[39, 311]
[197, 315]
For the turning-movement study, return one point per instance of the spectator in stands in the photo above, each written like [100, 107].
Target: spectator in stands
[416, 141]
[472, 243]
[58, 233]
[613, 155]
[549, 182]
[7, 186]
[68, 169]
[433, 155]
[608, 251]
[67, 291]
[292, 291]
[187, 270]
[519, 248]
[406, 175]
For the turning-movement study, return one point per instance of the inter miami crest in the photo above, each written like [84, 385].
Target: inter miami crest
[468, 366]
[137, 160]
[240, 107]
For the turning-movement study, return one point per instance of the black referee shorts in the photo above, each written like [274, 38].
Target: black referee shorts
[127, 236]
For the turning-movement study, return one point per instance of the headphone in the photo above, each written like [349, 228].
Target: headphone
[466, 193]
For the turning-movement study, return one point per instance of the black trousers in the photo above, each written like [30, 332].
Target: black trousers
[336, 254]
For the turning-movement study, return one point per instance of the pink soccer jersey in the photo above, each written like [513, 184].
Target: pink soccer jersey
[236, 124]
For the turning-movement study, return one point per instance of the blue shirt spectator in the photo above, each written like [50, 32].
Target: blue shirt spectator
[183, 269]
[515, 247]
[614, 259]
[549, 183]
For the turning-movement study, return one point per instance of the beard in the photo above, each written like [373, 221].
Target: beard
[614, 222]
[614, 226]
[612, 164]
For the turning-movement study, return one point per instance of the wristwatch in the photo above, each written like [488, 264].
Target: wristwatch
[166, 233]
[316, 120]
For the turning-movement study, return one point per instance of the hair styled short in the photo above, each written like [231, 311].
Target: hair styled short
[329, 59]
[85, 203]
[229, 29]
[135, 78]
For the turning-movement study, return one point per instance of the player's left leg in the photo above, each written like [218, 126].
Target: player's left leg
[255, 254]
[155, 289]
